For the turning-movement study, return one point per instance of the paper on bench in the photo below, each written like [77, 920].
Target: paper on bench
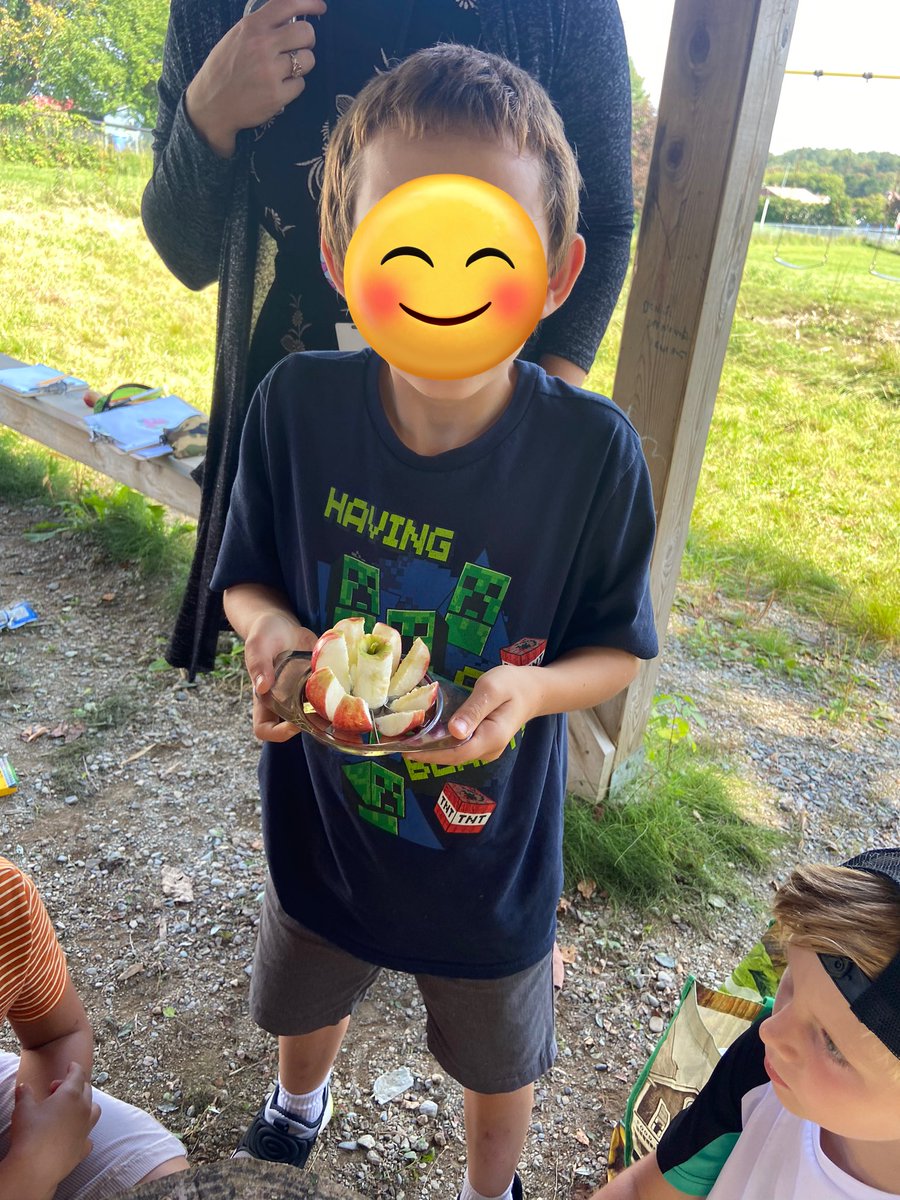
[38, 380]
[137, 426]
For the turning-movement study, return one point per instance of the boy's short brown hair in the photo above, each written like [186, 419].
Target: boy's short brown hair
[844, 912]
[836, 910]
[453, 89]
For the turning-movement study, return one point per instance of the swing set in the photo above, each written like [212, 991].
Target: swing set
[804, 196]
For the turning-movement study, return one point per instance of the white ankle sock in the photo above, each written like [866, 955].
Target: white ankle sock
[469, 1193]
[307, 1107]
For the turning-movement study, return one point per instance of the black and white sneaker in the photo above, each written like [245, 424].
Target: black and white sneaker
[516, 1188]
[276, 1136]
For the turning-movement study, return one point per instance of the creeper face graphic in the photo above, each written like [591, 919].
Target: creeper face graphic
[475, 606]
[382, 793]
[354, 590]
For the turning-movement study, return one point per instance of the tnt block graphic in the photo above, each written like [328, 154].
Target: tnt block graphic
[526, 652]
[463, 809]
[382, 792]
[353, 590]
[475, 606]
[420, 622]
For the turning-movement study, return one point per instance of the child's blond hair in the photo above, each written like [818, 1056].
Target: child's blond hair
[453, 89]
[844, 912]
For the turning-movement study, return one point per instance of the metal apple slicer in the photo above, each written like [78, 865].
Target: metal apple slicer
[288, 699]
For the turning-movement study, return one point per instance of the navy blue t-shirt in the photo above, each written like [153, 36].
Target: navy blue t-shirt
[527, 542]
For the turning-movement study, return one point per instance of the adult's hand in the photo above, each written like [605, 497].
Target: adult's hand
[250, 75]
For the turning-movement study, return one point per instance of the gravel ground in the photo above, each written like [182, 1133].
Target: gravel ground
[142, 832]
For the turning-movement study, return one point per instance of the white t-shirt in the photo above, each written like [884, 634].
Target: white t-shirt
[737, 1141]
[779, 1157]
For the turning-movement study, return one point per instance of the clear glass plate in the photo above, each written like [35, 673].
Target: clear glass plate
[287, 698]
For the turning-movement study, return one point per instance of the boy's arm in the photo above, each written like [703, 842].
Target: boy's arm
[263, 617]
[53, 1042]
[506, 697]
[642, 1181]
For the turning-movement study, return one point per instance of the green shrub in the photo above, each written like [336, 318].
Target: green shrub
[48, 138]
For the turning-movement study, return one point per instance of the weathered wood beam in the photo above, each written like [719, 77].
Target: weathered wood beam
[719, 97]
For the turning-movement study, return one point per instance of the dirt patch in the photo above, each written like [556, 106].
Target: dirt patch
[164, 775]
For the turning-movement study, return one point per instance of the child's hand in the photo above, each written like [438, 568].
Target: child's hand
[271, 634]
[502, 700]
[50, 1137]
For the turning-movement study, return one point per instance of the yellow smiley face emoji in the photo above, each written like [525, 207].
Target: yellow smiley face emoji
[446, 276]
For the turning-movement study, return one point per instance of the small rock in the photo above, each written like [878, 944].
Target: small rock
[366, 1141]
[428, 1108]
[665, 960]
[657, 1024]
[715, 901]
[348, 1145]
[70, 800]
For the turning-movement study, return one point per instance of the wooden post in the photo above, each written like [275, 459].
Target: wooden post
[720, 93]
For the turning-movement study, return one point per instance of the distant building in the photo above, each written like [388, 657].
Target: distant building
[797, 195]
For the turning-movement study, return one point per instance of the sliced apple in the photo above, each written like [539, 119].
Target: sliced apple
[393, 724]
[374, 663]
[331, 701]
[421, 697]
[409, 674]
[331, 651]
[353, 629]
[392, 635]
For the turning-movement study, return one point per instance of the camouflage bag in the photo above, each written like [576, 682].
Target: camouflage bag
[188, 440]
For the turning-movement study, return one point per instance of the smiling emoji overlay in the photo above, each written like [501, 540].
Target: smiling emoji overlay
[446, 276]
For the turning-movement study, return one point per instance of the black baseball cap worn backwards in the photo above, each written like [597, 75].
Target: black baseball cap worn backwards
[875, 1002]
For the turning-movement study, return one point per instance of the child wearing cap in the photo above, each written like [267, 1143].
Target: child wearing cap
[806, 1104]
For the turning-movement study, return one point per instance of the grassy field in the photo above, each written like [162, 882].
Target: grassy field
[800, 490]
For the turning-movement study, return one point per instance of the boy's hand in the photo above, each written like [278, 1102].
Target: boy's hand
[271, 634]
[502, 701]
[49, 1137]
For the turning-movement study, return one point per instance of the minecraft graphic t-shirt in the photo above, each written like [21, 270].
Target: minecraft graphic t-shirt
[532, 540]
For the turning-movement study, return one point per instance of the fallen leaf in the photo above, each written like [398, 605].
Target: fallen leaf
[67, 730]
[587, 887]
[569, 954]
[108, 597]
[581, 1136]
[563, 905]
[130, 972]
[31, 732]
[177, 885]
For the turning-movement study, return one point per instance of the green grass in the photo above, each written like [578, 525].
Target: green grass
[86, 292]
[677, 834]
[799, 496]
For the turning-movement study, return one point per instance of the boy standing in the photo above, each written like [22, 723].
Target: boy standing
[505, 517]
[806, 1104]
[56, 1141]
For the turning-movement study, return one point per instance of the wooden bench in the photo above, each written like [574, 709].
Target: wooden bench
[57, 422]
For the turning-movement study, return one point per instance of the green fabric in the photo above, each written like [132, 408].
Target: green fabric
[697, 1176]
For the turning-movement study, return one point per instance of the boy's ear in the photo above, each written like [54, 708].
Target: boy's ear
[560, 284]
[336, 272]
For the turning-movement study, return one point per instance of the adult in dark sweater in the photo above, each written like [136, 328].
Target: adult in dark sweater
[229, 163]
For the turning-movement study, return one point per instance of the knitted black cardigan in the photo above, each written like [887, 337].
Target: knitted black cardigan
[196, 214]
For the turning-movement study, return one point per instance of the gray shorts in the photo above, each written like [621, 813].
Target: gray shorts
[491, 1035]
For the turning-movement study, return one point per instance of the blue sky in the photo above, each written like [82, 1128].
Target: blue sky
[828, 35]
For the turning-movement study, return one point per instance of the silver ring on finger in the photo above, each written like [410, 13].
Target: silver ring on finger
[296, 64]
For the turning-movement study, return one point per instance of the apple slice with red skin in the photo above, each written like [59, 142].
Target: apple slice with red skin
[331, 651]
[331, 701]
[394, 724]
[353, 629]
[411, 670]
[421, 697]
[392, 635]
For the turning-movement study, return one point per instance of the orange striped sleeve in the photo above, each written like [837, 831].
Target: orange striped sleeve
[32, 965]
